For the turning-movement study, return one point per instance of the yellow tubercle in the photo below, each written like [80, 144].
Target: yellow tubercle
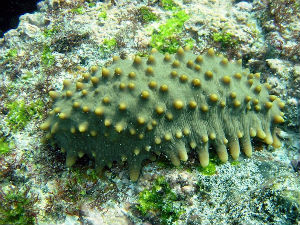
[164, 88]
[209, 74]
[178, 104]
[176, 63]
[122, 106]
[199, 59]
[214, 97]
[66, 83]
[204, 108]
[238, 76]
[86, 76]
[122, 86]
[272, 98]
[211, 52]
[268, 105]
[174, 73]
[145, 94]
[236, 103]
[180, 51]
[204, 138]
[107, 122]
[105, 72]
[233, 95]
[192, 104]
[183, 78]
[119, 127]
[53, 94]
[85, 109]
[212, 136]
[137, 60]
[76, 104]
[131, 86]
[149, 70]
[57, 109]
[93, 69]
[257, 89]
[45, 125]
[281, 105]
[248, 98]
[152, 84]
[159, 110]
[79, 85]
[63, 116]
[118, 71]
[190, 63]
[151, 59]
[224, 61]
[132, 75]
[141, 120]
[167, 57]
[106, 100]
[69, 93]
[178, 134]
[278, 119]
[196, 82]
[84, 92]
[226, 79]
[83, 127]
[168, 137]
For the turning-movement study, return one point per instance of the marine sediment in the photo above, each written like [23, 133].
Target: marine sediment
[136, 109]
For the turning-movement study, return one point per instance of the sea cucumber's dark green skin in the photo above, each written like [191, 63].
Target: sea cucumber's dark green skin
[171, 104]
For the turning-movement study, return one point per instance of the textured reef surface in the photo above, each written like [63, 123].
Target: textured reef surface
[134, 109]
[232, 92]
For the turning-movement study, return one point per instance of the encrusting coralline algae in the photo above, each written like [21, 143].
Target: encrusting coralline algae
[136, 109]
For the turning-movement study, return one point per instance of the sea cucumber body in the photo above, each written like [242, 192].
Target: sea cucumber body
[136, 109]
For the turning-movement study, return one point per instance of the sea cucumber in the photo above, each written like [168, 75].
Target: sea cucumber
[133, 110]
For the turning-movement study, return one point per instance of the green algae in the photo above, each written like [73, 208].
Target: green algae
[16, 208]
[168, 4]
[235, 163]
[165, 38]
[147, 15]
[161, 201]
[102, 15]
[48, 33]
[20, 113]
[5, 146]
[47, 58]
[225, 39]
[11, 54]
[79, 10]
[209, 170]
[108, 45]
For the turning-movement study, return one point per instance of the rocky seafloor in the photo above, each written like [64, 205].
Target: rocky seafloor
[64, 38]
